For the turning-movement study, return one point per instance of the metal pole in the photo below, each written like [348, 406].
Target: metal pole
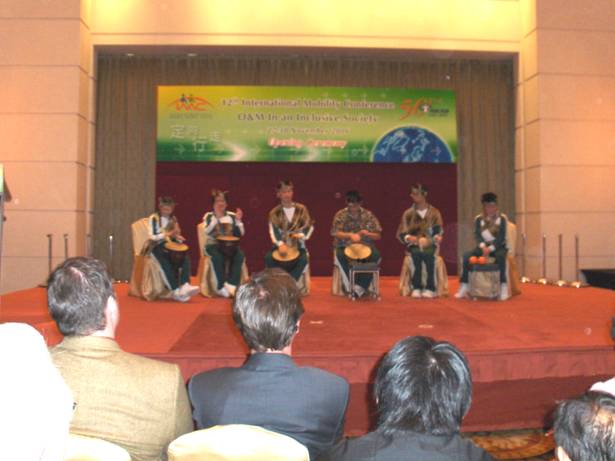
[524, 277]
[560, 270]
[50, 252]
[543, 279]
[65, 246]
[577, 283]
[111, 255]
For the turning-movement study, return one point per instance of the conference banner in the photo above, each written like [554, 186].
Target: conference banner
[305, 124]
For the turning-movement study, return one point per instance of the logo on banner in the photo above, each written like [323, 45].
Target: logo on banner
[190, 103]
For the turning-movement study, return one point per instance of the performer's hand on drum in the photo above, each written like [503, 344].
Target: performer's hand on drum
[283, 249]
[411, 239]
[239, 213]
[356, 238]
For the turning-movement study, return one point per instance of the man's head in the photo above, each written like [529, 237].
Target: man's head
[353, 200]
[585, 428]
[418, 193]
[219, 200]
[80, 297]
[166, 206]
[490, 203]
[284, 191]
[423, 386]
[267, 310]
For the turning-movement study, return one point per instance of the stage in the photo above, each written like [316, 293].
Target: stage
[525, 354]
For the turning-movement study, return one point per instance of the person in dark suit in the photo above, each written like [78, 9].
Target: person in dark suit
[269, 390]
[423, 390]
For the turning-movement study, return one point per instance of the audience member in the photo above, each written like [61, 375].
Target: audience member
[269, 390]
[35, 404]
[423, 390]
[585, 428]
[137, 403]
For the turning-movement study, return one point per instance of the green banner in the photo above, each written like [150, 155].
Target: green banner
[305, 124]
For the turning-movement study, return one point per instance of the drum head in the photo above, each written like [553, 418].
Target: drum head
[357, 251]
[174, 246]
[290, 255]
[227, 238]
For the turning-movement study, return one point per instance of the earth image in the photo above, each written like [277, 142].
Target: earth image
[411, 144]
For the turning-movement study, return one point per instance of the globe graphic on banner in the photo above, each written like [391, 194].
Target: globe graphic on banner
[411, 144]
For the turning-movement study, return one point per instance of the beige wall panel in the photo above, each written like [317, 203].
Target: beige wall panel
[451, 19]
[592, 229]
[533, 189]
[603, 262]
[20, 273]
[532, 228]
[84, 94]
[36, 42]
[46, 186]
[528, 16]
[576, 52]
[519, 191]
[530, 100]
[577, 142]
[39, 89]
[519, 149]
[86, 12]
[575, 14]
[586, 188]
[532, 136]
[39, 138]
[26, 232]
[529, 53]
[519, 108]
[39, 9]
[83, 141]
[576, 98]
[86, 52]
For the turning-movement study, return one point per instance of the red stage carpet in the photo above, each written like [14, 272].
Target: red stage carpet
[546, 344]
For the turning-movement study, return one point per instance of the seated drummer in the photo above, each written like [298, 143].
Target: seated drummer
[490, 235]
[289, 224]
[163, 228]
[223, 223]
[355, 224]
[421, 231]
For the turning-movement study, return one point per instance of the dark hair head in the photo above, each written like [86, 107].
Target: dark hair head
[267, 309]
[420, 188]
[423, 386]
[77, 295]
[489, 197]
[353, 196]
[284, 183]
[215, 193]
[166, 201]
[585, 427]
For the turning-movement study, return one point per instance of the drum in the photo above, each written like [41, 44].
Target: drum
[358, 252]
[227, 244]
[177, 252]
[287, 261]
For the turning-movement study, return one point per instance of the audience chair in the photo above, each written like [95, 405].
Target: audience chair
[82, 448]
[407, 271]
[205, 275]
[147, 278]
[236, 442]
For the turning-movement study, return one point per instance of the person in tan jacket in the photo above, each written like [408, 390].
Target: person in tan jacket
[135, 402]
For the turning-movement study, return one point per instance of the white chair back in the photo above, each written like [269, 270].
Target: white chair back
[200, 232]
[140, 234]
[236, 442]
[511, 238]
[82, 448]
